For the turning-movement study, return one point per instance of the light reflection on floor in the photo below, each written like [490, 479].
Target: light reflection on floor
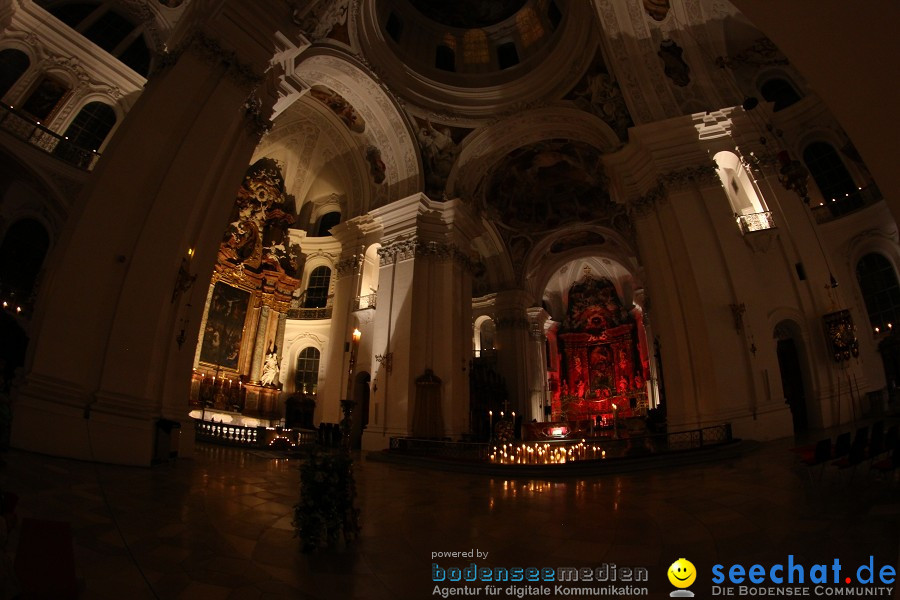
[219, 525]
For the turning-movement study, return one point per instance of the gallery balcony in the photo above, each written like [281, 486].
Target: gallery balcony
[756, 222]
[852, 202]
[309, 314]
[25, 128]
[365, 302]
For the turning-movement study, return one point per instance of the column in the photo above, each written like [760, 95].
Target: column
[105, 365]
[424, 316]
[513, 340]
[538, 320]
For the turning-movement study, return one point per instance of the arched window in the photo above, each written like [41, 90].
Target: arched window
[445, 58]
[317, 290]
[13, 64]
[306, 380]
[507, 55]
[751, 212]
[780, 92]
[113, 32]
[488, 329]
[326, 222]
[831, 176]
[878, 284]
[21, 256]
[45, 98]
[91, 125]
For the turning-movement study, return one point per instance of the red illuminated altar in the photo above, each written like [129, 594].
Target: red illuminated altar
[603, 357]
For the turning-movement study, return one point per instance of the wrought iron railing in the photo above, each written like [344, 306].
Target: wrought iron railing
[367, 301]
[25, 128]
[756, 222]
[309, 313]
[835, 208]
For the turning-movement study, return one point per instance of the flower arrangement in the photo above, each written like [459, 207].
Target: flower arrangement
[326, 513]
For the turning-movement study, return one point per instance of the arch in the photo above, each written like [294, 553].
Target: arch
[484, 334]
[738, 186]
[306, 371]
[780, 92]
[121, 35]
[13, 64]
[387, 127]
[877, 280]
[830, 174]
[489, 144]
[47, 96]
[325, 222]
[790, 353]
[317, 287]
[368, 283]
[90, 128]
[22, 253]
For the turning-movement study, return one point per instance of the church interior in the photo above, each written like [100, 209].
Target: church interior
[454, 221]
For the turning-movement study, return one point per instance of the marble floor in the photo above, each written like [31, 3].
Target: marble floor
[219, 525]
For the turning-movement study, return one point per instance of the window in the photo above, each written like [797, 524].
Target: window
[109, 31]
[530, 28]
[445, 58]
[475, 47]
[91, 126]
[43, 101]
[780, 92]
[831, 176]
[507, 55]
[306, 379]
[746, 204]
[878, 284]
[13, 64]
[394, 27]
[317, 290]
[326, 222]
[73, 14]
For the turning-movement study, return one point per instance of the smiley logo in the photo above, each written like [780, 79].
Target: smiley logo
[682, 573]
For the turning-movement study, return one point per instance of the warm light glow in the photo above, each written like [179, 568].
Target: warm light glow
[190, 252]
[356, 335]
[544, 454]
[876, 329]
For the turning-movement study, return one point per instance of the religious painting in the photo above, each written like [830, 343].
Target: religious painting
[45, 98]
[544, 185]
[225, 326]
[339, 106]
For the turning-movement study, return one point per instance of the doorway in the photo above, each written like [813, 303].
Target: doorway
[792, 382]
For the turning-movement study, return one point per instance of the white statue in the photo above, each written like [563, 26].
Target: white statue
[270, 369]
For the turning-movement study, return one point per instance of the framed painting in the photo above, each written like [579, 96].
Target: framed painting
[224, 330]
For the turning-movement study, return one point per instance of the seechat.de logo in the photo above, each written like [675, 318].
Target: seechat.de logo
[682, 574]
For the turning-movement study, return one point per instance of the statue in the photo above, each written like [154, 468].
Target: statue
[439, 153]
[270, 368]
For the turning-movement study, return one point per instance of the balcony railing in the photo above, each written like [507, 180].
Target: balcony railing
[25, 128]
[838, 207]
[309, 313]
[756, 222]
[364, 302]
